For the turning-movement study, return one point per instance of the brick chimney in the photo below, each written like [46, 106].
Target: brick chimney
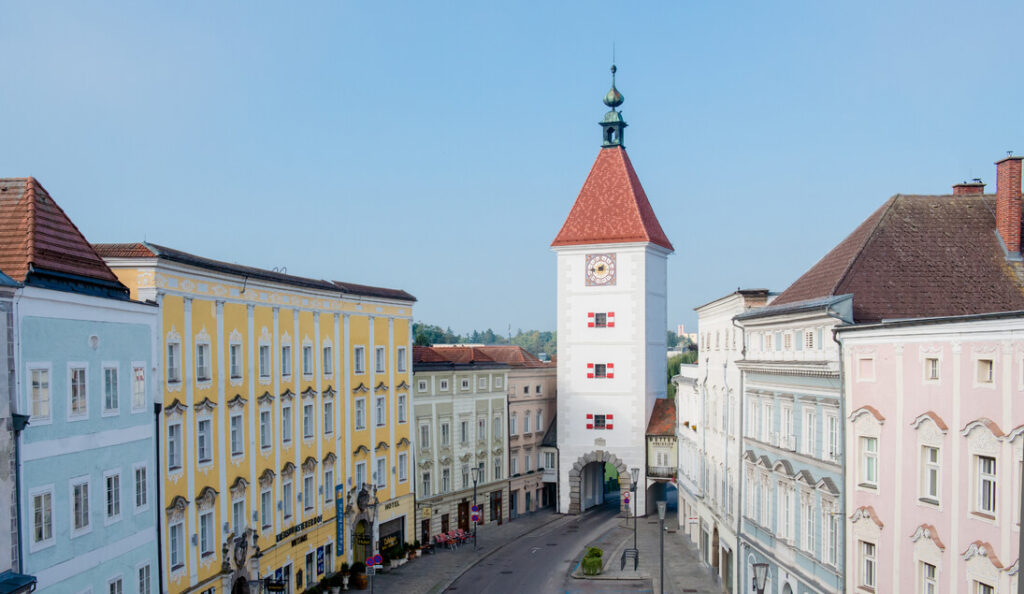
[975, 188]
[1008, 203]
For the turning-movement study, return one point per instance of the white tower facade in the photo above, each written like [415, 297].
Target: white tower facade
[612, 322]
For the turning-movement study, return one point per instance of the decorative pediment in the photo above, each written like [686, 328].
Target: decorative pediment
[330, 459]
[985, 423]
[481, 454]
[382, 446]
[1017, 432]
[329, 392]
[426, 464]
[309, 464]
[237, 401]
[238, 487]
[362, 449]
[206, 405]
[783, 467]
[866, 512]
[982, 549]
[403, 385]
[805, 477]
[764, 462]
[381, 387]
[496, 451]
[445, 460]
[403, 443]
[287, 395]
[867, 410]
[361, 388]
[750, 456]
[178, 504]
[207, 497]
[927, 531]
[266, 398]
[935, 421]
[308, 393]
[235, 337]
[267, 478]
[288, 469]
[465, 457]
[827, 485]
[175, 408]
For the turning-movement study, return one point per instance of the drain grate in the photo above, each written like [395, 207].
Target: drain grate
[506, 572]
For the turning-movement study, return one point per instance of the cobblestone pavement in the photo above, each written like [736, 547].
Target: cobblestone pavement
[433, 573]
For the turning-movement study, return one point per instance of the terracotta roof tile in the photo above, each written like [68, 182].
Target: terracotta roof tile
[36, 234]
[514, 356]
[612, 207]
[663, 418]
[918, 256]
[459, 355]
[123, 250]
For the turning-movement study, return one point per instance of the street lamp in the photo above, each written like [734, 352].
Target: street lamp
[760, 577]
[632, 487]
[661, 529]
[476, 476]
[372, 506]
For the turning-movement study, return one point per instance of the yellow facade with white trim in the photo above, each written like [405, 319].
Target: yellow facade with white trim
[224, 448]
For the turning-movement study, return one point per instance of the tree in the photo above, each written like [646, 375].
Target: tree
[671, 339]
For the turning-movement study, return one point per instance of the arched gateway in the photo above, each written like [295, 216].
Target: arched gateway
[578, 478]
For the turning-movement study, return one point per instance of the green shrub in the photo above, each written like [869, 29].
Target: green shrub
[358, 567]
[593, 552]
[591, 565]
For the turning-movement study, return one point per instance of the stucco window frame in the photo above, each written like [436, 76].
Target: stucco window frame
[47, 366]
[241, 440]
[108, 519]
[308, 359]
[136, 365]
[327, 357]
[402, 406]
[862, 375]
[235, 341]
[287, 358]
[403, 467]
[202, 341]
[173, 345]
[148, 567]
[401, 359]
[328, 416]
[981, 441]
[865, 425]
[104, 366]
[269, 429]
[71, 367]
[498, 382]
[138, 509]
[357, 423]
[990, 354]
[380, 363]
[113, 580]
[207, 416]
[33, 545]
[73, 482]
[264, 369]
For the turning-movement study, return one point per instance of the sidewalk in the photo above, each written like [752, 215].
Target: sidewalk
[433, 573]
[684, 573]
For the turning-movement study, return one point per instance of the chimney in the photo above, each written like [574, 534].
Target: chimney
[972, 188]
[1008, 213]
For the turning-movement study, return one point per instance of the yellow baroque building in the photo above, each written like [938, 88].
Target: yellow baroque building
[285, 402]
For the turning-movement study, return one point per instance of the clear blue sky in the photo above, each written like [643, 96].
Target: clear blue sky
[437, 147]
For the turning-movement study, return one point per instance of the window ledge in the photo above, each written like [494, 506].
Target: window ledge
[983, 516]
[929, 501]
[868, 486]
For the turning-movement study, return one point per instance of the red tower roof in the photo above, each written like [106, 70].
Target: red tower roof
[612, 207]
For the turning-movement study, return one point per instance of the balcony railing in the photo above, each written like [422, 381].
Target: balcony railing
[661, 471]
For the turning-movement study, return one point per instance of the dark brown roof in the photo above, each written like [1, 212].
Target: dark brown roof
[152, 250]
[447, 357]
[663, 418]
[514, 356]
[612, 207]
[36, 235]
[917, 256]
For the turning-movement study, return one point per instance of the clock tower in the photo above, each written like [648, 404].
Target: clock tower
[612, 256]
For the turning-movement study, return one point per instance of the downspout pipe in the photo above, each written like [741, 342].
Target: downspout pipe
[157, 407]
[739, 460]
[18, 423]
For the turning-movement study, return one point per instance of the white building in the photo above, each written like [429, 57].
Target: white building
[709, 431]
[612, 322]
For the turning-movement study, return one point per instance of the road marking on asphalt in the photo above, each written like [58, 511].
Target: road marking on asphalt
[534, 549]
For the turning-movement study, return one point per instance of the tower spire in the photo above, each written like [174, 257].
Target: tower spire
[612, 125]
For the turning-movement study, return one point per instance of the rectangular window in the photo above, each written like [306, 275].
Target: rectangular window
[424, 436]
[867, 564]
[443, 385]
[141, 488]
[286, 360]
[496, 428]
[286, 495]
[929, 579]
[328, 417]
[328, 360]
[809, 339]
[238, 517]
[983, 588]
[177, 540]
[984, 371]
[307, 421]
[359, 360]
[540, 419]
[378, 359]
[42, 518]
[600, 370]
[600, 320]
[204, 443]
[138, 390]
[206, 533]
[264, 360]
[113, 496]
[329, 486]
[930, 474]
[403, 467]
[80, 506]
[465, 476]
[401, 408]
[236, 435]
[173, 362]
[307, 360]
[833, 437]
[446, 480]
[400, 359]
[809, 526]
[931, 368]
[830, 523]
[40, 394]
[481, 429]
[115, 586]
[600, 421]
[869, 461]
[786, 427]
[513, 421]
[526, 423]
[549, 459]
[235, 354]
[445, 435]
[380, 411]
[360, 474]
[202, 362]
[360, 413]
[144, 580]
[528, 463]
[426, 484]
[382, 472]
[286, 424]
[111, 401]
[787, 341]
[308, 492]
[79, 400]
[986, 498]
[266, 509]
[266, 435]
[174, 446]
[513, 465]
[497, 469]
[809, 431]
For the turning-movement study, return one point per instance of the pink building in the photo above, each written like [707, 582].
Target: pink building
[936, 419]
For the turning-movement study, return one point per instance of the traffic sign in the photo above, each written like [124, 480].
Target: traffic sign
[369, 561]
[476, 519]
[377, 560]
[370, 570]
[476, 508]
[627, 497]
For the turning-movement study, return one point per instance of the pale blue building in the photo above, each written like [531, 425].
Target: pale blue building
[83, 359]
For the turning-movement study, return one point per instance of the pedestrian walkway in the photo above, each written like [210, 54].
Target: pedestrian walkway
[684, 573]
[433, 573]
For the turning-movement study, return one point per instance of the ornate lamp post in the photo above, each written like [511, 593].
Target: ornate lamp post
[632, 487]
[372, 507]
[661, 529]
[760, 577]
[476, 476]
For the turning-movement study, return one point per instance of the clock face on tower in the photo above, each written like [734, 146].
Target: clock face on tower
[600, 270]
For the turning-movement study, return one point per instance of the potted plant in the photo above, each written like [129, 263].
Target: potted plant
[411, 551]
[592, 563]
[359, 579]
[419, 548]
[385, 560]
[344, 576]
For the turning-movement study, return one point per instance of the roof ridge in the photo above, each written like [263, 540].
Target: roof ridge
[30, 193]
[867, 241]
[630, 174]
